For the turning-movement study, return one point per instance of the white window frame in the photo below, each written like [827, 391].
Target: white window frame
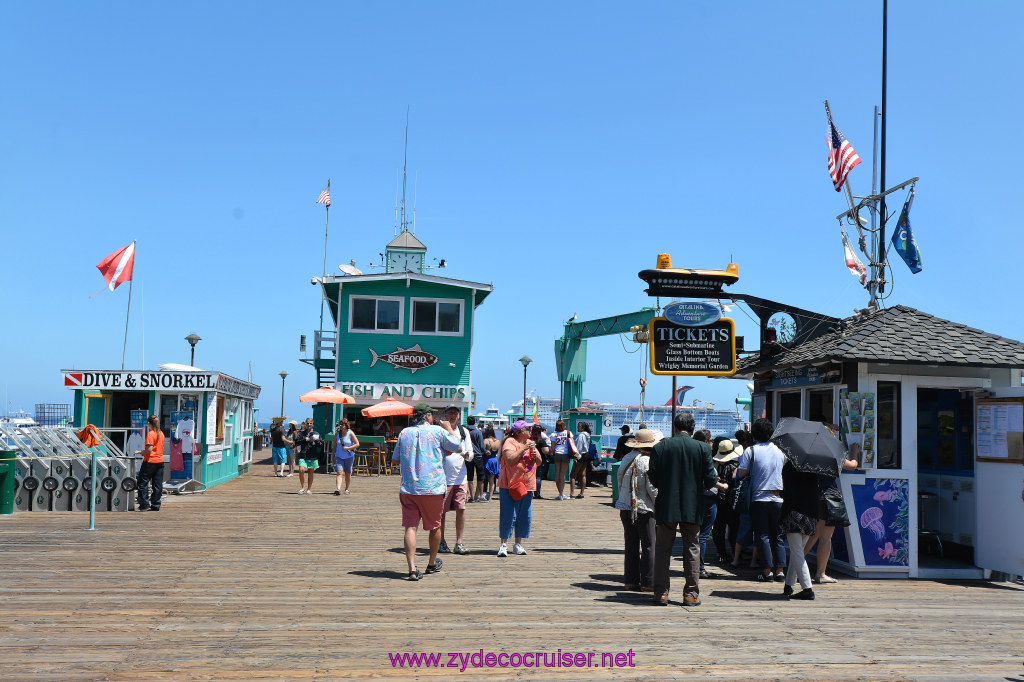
[401, 314]
[412, 308]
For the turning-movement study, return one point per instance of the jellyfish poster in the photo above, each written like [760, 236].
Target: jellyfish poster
[883, 519]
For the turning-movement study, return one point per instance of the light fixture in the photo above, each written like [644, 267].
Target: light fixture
[451, 364]
[283, 374]
[193, 339]
[355, 362]
[526, 361]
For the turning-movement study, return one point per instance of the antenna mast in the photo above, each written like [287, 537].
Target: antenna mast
[405, 163]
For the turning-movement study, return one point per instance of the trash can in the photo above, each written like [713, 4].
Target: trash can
[25, 484]
[7, 479]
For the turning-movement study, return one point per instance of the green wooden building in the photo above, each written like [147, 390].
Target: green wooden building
[402, 333]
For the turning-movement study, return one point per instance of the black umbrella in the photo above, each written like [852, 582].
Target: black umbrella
[809, 446]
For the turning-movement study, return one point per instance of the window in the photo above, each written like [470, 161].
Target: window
[375, 315]
[888, 421]
[789, 404]
[437, 316]
[220, 418]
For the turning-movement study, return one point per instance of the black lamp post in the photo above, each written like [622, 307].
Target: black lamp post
[193, 339]
[283, 375]
[526, 361]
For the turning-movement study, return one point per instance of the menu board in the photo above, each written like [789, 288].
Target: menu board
[999, 429]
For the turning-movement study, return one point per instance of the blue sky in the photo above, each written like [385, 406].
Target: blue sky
[556, 148]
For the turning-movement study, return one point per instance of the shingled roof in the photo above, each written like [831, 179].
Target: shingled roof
[899, 334]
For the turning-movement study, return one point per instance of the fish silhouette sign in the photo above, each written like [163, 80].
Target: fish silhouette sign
[412, 359]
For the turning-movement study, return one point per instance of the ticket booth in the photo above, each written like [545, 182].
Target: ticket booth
[934, 412]
[207, 417]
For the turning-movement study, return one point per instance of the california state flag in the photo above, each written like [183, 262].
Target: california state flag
[117, 267]
[853, 263]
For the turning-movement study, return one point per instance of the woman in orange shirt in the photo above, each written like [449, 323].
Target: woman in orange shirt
[152, 469]
[518, 480]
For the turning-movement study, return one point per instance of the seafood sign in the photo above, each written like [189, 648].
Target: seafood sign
[412, 359]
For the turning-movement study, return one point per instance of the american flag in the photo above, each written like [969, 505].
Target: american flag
[325, 196]
[841, 156]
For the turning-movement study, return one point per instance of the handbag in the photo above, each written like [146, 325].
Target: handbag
[517, 490]
[835, 508]
[573, 450]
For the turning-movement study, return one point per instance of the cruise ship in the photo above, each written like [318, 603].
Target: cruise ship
[719, 422]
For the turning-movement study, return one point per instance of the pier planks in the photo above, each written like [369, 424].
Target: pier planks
[250, 580]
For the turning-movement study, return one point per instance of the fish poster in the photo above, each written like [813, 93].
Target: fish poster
[883, 518]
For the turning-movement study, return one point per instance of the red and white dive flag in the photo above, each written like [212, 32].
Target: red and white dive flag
[857, 268]
[117, 267]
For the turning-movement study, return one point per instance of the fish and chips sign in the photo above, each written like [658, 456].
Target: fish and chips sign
[693, 339]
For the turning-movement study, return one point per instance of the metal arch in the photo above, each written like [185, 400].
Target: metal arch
[571, 350]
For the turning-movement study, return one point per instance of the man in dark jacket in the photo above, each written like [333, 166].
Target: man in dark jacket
[681, 469]
[621, 449]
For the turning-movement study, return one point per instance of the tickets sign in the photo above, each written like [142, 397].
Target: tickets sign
[708, 350]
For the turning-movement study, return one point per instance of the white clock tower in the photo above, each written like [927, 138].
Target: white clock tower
[405, 253]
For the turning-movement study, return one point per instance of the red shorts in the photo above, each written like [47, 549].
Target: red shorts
[455, 498]
[429, 508]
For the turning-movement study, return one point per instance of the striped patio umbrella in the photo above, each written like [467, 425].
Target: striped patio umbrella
[326, 394]
[389, 407]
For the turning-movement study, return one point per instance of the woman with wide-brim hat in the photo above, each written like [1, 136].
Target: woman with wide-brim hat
[727, 521]
[636, 511]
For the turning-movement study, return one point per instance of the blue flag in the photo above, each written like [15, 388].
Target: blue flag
[903, 238]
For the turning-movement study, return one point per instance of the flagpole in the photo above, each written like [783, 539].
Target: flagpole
[881, 188]
[327, 217]
[874, 216]
[127, 313]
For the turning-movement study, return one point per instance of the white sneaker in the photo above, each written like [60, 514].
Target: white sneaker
[302, 491]
[289, 475]
[518, 549]
[503, 549]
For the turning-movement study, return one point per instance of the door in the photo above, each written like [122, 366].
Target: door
[97, 409]
[999, 502]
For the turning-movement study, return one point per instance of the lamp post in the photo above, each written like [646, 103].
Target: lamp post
[526, 361]
[283, 375]
[193, 339]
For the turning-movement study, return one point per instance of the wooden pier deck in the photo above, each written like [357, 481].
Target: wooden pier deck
[250, 580]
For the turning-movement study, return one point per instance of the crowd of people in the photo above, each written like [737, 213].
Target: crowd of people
[737, 493]
[680, 482]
